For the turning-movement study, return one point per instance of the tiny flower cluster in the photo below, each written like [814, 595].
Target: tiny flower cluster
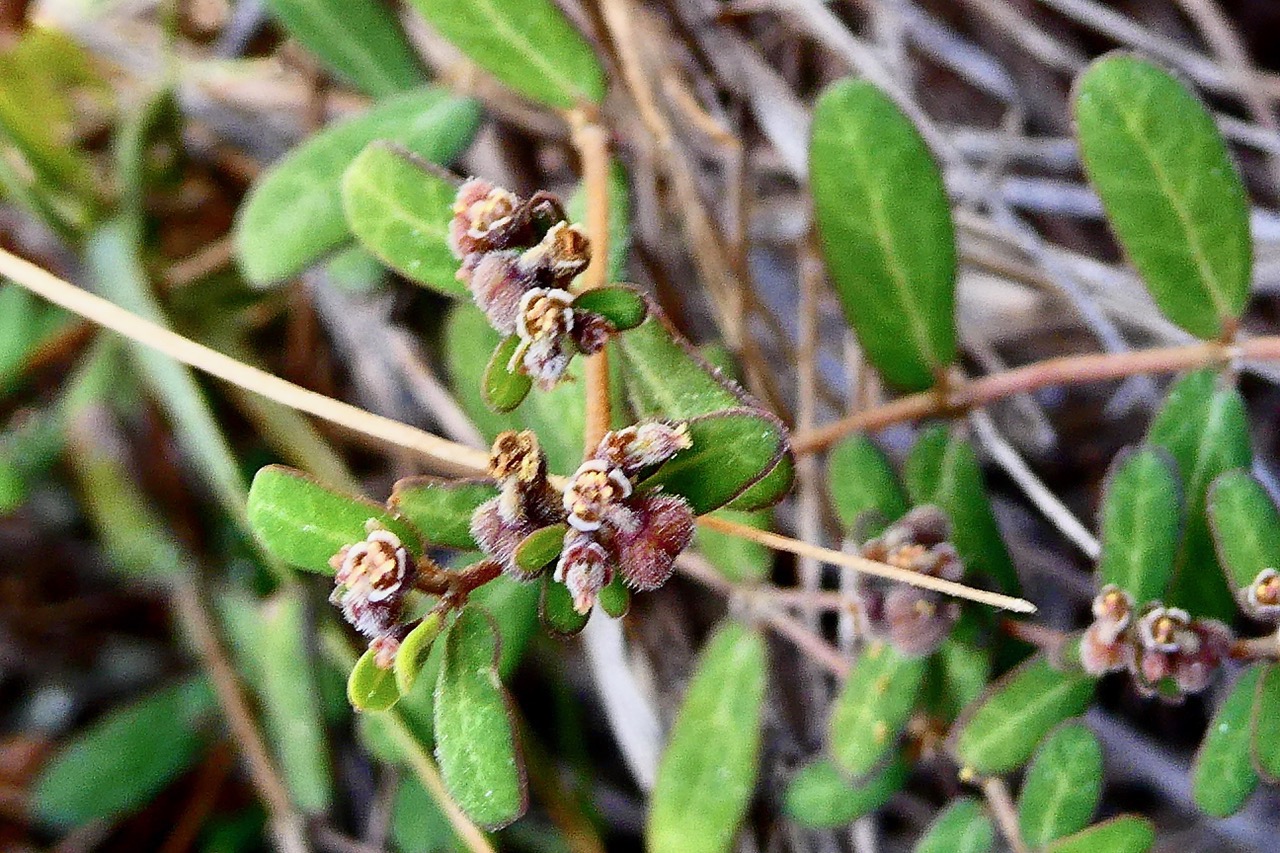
[371, 579]
[1164, 649]
[519, 258]
[612, 528]
[914, 621]
[1261, 599]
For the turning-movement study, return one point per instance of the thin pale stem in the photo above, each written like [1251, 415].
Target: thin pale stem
[1005, 813]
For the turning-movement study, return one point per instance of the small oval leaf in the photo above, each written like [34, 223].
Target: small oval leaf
[413, 652]
[887, 236]
[305, 523]
[441, 509]
[873, 707]
[864, 489]
[821, 797]
[475, 738]
[527, 44]
[943, 470]
[1223, 777]
[1000, 730]
[555, 609]
[399, 206]
[1170, 189]
[709, 767]
[293, 214]
[622, 306]
[615, 598]
[1063, 785]
[1124, 834]
[962, 827]
[1205, 429]
[504, 389]
[1140, 524]
[1246, 526]
[370, 687]
[540, 549]
[1265, 724]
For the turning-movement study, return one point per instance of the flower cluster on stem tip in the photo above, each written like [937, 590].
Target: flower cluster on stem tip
[1166, 651]
[914, 621]
[519, 258]
[612, 527]
[1261, 599]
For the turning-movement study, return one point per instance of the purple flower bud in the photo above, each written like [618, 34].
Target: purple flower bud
[583, 568]
[526, 502]
[647, 550]
[481, 213]
[643, 445]
[564, 252]
[1103, 651]
[1261, 599]
[1196, 663]
[590, 331]
[497, 286]
[918, 621]
[371, 579]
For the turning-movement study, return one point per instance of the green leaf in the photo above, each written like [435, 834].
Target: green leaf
[417, 824]
[1265, 724]
[1245, 525]
[469, 342]
[1140, 524]
[962, 670]
[1206, 430]
[293, 214]
[370, 687]
[413, 651]
[962, 827]
[475, 739]
[555, 609]
[527, 44]
[666, 378]
[114, 767]
[441, 509]
[504, 388]
[615, 598]
[619, 218]
[1223, 776]
[540, 548]
[13, 489]
[1124, 834]
[399, 207]
[873, 707]
[731, 450]
[1001, 729]
[362, 42]
[621, 305]
[887, 236]
[1063, 785]
[305, 523]
[943, 470]
[820, 796]
[1170, 190]
[514, 606]
[709, 767]
[270, 641]
[864, 490]
[740, 560]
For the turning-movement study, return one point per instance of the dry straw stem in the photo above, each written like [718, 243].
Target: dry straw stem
[445, 454]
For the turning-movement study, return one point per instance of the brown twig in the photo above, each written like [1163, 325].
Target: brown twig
[1005, 813]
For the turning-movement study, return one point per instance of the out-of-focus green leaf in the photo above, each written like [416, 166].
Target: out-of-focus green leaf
[887, 235]
[148, 151]
[475, 738]
[1063, 785]
[1206, 430]
[1001, 729]
[619, 218]
[962, 827]
[555, 608]
[417, 824]
[304, 523]
[943, 470]
[128, 756]
[399, 207]
[1140, 524]
[1124, 834]
[469, 341]
[441, 509]
[623, 306]
[962, 668]
[13, 489]
[370, 687]
[864, 490]
[527, 44]
[820, 796]
[1245, 525]
[270, 641]
[505, 384]
[740, 560]
[709, 768]
[1170, 190]
[1265, 724]
[362, 42]
[731, 450]
[514, 607]
[1223, 776]
[666, 378]
[293, 215]
[872, 707]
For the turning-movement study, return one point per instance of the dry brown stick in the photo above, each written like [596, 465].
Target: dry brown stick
[1064, 371]
[593, 148]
